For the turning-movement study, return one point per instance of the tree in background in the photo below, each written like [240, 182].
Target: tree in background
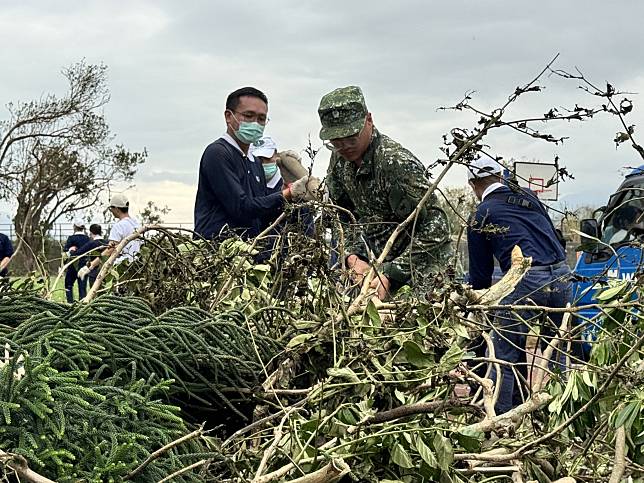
[459, 203]
[570, 221]
[57, 156]
[153, 214]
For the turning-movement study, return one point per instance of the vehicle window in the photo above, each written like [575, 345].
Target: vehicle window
[624, 220]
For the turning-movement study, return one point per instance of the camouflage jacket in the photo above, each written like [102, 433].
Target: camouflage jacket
[381, 193]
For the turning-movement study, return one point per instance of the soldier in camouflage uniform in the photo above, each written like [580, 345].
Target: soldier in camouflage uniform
[381, 183]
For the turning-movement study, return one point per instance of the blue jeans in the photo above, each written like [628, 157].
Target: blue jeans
[545, 286]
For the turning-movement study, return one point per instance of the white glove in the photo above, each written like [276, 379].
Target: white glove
[304, 189]
[83, 272]
[290, 165]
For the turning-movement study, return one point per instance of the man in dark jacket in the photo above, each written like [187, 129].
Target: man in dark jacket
[6, 252]
[232, 195]
[74, 242]
[503, 219]
[91, 250]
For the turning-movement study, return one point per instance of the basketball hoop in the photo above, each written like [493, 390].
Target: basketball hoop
[540, 178]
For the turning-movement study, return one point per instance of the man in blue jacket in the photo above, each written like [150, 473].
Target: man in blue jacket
[74, 242]
[232, 196]
[91, 250]
[6, 252]
[503, 219]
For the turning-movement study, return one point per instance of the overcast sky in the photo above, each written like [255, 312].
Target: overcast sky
[172, 64]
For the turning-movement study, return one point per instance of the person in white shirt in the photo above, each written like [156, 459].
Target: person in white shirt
[124, 227]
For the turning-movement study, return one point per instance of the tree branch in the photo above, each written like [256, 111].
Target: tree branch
[620, 456]
[421, 408]
[330, 473]
[19, 464]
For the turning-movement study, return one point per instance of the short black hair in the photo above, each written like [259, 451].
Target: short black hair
[122, 209]
[233, 98]
[95, 229]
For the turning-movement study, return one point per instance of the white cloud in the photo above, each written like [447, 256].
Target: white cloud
[179, 197]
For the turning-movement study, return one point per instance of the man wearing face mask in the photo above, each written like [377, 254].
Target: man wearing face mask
[381, 183]
[232, 195]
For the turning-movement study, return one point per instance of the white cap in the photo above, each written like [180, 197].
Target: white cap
[119, 200]
[264, 147]
[78, 223]
[483, 167]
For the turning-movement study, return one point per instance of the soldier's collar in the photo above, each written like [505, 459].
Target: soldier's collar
[367, 159]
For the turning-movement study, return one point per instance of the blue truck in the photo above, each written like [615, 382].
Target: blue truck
[612, 247]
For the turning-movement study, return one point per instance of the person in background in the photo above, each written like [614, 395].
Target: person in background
[505, 218]
[6, 252]
[265, 149]
[232, 194]
[73, 243]
[279, 168]
[381, 183]
[91, 250]
[124, 227]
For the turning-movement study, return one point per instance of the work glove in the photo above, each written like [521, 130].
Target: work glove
[290, 165]
[83, 272]
[305, 189]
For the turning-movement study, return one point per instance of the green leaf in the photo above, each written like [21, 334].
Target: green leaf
[344, 373]
[444, 451]
[400, 396]
[569, 389]
[611, 292]
[346, 416]
[585, 375]
[539, 474]
[600, 353]
[426, 453]
[416, 355]
[555, 405]
[451, 358]
[400, 456]
[627, 415]
[461, 331]
[298, 340]
[470, 439]
[373, 314]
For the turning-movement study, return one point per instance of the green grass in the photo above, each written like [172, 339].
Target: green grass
[58, 292]
[57, 289]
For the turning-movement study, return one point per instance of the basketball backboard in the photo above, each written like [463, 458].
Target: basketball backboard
[539, 177]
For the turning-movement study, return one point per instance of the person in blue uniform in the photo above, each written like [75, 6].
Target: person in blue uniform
[232, 195]
[91, 250]
[6, 252]
[73, 243]
[504, 218]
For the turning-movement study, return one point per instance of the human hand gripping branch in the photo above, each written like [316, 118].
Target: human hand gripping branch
[360, 268]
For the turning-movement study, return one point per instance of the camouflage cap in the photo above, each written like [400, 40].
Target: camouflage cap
[342, 113]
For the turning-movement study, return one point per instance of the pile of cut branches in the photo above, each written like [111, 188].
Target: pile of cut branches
[338, 384]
